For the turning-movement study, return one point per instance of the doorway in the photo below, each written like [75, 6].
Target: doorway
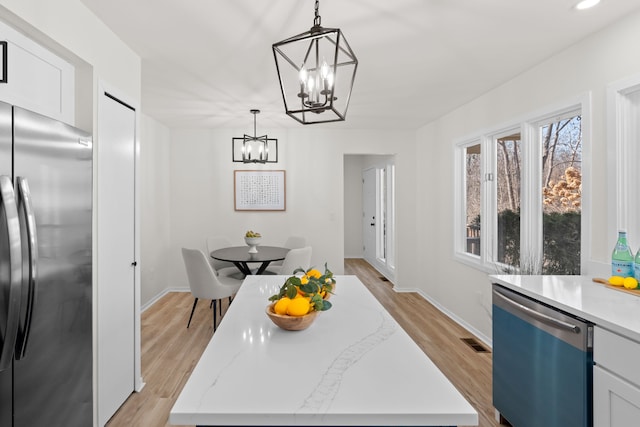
[369, 203]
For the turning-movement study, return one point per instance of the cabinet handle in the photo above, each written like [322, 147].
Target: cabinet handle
[4, 46]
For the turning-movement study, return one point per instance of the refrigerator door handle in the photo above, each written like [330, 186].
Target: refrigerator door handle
[13, 293]
[24, 205]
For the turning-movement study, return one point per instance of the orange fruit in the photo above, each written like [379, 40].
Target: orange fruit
[616, 280]
[281, 306]
[298, 307]
[630, 283]
[314, 273]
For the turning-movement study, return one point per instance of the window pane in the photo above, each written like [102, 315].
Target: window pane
[508, 198]
[473, 163]
[562, 195]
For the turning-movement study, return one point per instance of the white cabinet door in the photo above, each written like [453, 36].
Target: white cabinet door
[116, 255]
[616, 403]
[37, 80]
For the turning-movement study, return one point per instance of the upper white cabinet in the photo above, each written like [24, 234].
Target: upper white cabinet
[36, 79]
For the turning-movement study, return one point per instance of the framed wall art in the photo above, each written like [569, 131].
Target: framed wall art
[259, 190]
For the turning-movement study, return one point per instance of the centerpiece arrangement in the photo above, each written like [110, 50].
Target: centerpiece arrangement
[300, 299]
[252, 239]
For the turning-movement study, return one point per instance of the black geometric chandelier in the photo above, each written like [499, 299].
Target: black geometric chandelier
[254, 149]
[316, 70]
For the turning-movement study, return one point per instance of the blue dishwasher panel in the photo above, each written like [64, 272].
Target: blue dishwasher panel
[539, 380]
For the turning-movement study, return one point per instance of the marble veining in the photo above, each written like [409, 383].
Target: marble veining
[215, 379]
[322, 396]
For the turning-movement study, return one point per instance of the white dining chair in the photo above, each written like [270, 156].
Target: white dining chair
[295, 242]
[204, 282]
[292, 242]
[222, 268]
[295, 258]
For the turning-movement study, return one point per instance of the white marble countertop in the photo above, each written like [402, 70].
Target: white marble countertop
[354, 366]
[609, 308]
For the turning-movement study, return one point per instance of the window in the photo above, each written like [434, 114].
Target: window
[472, 200]
[562, 195]
[520, 197]
[507, 192]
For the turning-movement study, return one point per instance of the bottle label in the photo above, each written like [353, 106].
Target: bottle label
[621, 268]
[636, 268]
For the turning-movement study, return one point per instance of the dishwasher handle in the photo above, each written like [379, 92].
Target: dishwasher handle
[540, 316]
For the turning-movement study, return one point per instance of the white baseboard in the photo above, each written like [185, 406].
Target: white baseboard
[450, 315]
[160, 295]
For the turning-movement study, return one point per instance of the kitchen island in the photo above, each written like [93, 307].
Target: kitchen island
[354, 366]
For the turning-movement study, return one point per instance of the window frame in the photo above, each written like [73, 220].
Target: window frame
[531, 226]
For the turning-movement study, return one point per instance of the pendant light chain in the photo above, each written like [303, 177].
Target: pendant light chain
[317, 19]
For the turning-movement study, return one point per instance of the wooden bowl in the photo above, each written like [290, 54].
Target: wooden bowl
[291, 323]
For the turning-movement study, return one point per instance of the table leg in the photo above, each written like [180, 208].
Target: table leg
[263, 267]
[243, 267]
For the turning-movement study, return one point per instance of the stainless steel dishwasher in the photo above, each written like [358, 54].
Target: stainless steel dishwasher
[542, 363]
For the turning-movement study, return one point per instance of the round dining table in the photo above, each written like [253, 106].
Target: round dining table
[241, 258]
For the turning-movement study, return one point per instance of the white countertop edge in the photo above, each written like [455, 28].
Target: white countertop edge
[600, 320]
[470, 418]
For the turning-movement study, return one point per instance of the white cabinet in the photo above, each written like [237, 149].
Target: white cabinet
[37, 79]
[616, 380]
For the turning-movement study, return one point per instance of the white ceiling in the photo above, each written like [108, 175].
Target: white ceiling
[206, 63]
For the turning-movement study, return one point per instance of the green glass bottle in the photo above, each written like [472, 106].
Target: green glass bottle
[622, 258]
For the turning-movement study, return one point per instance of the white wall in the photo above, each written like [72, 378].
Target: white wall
[201, 190]
[586, 67]
[155, 209]
[353, 166]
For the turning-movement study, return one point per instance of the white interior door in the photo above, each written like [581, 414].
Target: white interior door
[116, 254]
[369, 203]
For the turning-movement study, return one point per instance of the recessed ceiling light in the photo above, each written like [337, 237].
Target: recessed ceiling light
[586, 4]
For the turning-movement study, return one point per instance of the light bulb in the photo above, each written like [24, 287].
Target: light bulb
[324, 69]
[302, 75]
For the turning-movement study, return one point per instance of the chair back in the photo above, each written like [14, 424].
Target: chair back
[300, 257]
[202, 278]
[295, 242]
[218, 242]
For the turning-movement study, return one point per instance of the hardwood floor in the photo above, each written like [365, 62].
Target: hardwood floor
[170, 351]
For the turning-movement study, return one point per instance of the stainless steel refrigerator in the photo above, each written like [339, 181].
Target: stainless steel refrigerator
[45, 272]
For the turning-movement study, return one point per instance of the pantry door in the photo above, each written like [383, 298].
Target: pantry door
[116, 147]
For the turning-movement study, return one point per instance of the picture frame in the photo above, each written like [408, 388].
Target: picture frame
[259, 190]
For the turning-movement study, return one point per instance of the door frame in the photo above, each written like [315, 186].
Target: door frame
[385, 265]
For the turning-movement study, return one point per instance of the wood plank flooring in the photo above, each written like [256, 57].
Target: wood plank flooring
[170, 351]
